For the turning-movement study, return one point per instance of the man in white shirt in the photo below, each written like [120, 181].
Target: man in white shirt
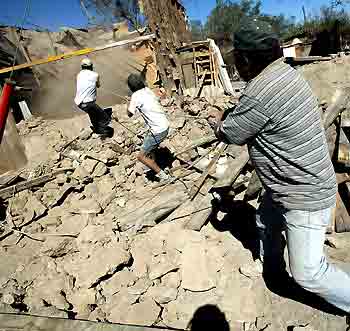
[145, 103]
[87, 83]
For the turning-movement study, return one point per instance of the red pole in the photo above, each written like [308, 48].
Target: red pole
[4, 105]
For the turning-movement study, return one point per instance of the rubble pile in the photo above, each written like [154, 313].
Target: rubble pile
[101, 241]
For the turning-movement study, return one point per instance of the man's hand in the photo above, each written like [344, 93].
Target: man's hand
[214, 119]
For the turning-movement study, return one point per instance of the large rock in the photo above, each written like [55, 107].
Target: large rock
[49, 287]
[100, 170]
[121, 279]
[144, 313]
[93, 234]
[72, 224]
[172, 280]
[141, 286]
[241, 298]
[103, 262]
[163, 264]
[89, 165]
[196, 272]
[58, 246]
[119, 174]
[86, 206]
[81, 174]
[35, 206]
[178, 313]
[163, 294]
[82, 301]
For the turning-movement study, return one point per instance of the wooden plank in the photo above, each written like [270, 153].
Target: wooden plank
[338, 106]
[253, 188]
[233, 171]
[199, 183]
[203, 211]
[197, 143]
[8, 192]
[201, 82]
[342, 218]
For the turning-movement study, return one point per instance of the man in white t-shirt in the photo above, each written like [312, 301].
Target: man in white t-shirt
[145, 103]
[87, 83]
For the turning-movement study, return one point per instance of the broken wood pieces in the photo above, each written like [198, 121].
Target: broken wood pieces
[342, 101]
[232, 172]
[167, 202]
[197, 143]
[10, 191]
[199, 183]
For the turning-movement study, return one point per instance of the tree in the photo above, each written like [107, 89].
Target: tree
[225, 18]
[109, 11]
[197, 30]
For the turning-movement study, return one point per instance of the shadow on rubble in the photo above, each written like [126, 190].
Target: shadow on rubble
[209, 317]
[240, 222]
[164, 157]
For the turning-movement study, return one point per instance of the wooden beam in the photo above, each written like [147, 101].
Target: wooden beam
[199, 183]
[232, 173]
[10, 191]
[197, 143]
[338, 106]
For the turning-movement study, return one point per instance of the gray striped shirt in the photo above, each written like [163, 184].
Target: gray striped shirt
[278, 118]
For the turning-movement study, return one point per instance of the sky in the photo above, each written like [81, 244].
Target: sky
[52, 14]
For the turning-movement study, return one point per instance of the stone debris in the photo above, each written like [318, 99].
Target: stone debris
[103, 262]
[117, 247]
[196, 274]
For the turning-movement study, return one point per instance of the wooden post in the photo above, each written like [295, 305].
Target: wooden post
[167, 20]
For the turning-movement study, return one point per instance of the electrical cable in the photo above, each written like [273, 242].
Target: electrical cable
[25, 14]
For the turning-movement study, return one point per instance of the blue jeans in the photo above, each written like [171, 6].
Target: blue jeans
[152, 141]
[305, 234]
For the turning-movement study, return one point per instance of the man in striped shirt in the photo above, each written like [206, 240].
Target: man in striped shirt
[278, 118]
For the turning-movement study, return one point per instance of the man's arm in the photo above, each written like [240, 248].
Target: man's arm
[132, 106]
[98, 83]
[243, 122]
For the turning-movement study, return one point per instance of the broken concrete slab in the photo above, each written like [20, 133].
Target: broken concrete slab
[141, 286]
[163, 264]
[57, 247]
[121, 279]
[48, 288]
[86, 206]
[196, 274]
[178, 313]
[171, 279]
[103, 262]
[35, 206]
[119, 174]
[72, 224]
[144, 313]
[106, 156]
[89, 165]
[81, 174]
[100, 170]
[163, 294]
[93, 234]
[82, 300]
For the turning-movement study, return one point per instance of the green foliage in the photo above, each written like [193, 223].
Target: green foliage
[326, 20]
[197, 30]
[226, 16]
